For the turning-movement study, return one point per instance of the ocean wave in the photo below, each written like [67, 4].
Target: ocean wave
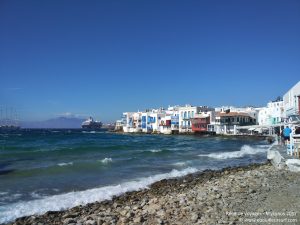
[179, 164]
[245, 150]
[65, 164]
[72, 199]
[37, 195]
[155, 150]
[106, 160]
[92, 132]
[10, 197]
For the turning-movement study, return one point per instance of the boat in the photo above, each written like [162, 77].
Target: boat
[6, 128]
[91, 124]
[8, 120]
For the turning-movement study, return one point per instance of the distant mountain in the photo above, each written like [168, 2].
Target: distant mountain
[59, 122]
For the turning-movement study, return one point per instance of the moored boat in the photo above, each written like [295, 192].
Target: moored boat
[91, 124]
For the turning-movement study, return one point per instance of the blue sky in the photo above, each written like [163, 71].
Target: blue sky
[103, 57]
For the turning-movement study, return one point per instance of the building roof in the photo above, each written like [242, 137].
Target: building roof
[231, 114]
[196, 116]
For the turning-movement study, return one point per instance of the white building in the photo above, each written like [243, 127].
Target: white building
[151, 119]
[272, 114]
[251, 111]
[186, 113]
[119, 125]
[173, 112]
[292, 100]
[228, 118]
[132, 122]
[165, 125]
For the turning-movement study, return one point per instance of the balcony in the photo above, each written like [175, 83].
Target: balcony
[185, 127]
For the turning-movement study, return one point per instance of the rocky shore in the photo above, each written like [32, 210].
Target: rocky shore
[256, 194]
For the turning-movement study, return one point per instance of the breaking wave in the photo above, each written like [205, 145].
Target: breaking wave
[72, 199]
[106, 160]
[245, 150]
[65, 164]
[155, 150]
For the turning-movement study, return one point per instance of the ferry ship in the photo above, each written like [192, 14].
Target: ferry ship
[9, 120]
[5, 128]
[91, 124]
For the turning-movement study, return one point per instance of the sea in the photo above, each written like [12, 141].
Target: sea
[49, 170]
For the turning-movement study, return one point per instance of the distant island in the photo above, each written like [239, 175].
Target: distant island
[58, 123]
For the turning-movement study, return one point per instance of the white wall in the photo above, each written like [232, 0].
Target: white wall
[187, 112]
[272, 114]
[290, 100]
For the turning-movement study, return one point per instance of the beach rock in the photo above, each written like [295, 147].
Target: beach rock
[70, 215]
[138, 219]
[123, 212]
[205, 198]
[194, 217]
[90, 222]
[69, 221]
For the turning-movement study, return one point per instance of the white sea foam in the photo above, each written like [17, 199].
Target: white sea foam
[10, 197]
[92, 132]
[35, 194]
[65, 164]
[245, 150]
[179, 164]
[71, 199]
[155, 150]
[106, 160]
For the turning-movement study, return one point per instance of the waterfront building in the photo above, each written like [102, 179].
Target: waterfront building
[119, 125]
[291, 100]
[132, 122]
[173, 112]
[272, 114]
[252, 111]
[151, 120]
[165, 125]
[186, 113]
[127, 121]
[226, 122]
[202, 120]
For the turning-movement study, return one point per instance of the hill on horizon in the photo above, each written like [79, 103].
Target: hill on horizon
[59, 123]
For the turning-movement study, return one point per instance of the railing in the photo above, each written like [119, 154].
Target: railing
[185, 127]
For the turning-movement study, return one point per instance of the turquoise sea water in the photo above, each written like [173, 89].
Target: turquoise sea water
[42, 170]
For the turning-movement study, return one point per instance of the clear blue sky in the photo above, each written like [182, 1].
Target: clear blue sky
[105, 57]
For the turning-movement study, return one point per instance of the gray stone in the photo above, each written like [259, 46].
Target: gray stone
[90, 222]
[70, 215]
[194, 217]
[69, 220]
[138, 219]
[123, 212]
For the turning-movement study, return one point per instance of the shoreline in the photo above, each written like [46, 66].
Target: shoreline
[199, 135]
[230, 195]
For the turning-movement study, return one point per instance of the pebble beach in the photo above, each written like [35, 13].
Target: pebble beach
[254, 194]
